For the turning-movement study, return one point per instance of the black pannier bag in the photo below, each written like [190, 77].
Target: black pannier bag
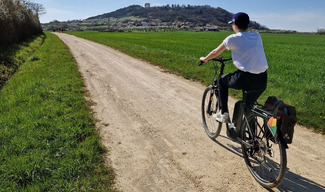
[287, 118]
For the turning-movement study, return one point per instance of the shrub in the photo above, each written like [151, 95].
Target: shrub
[17, 23]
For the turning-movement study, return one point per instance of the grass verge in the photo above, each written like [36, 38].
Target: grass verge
[47, 136]
[13, 56]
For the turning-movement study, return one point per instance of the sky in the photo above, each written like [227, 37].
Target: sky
[298, 15]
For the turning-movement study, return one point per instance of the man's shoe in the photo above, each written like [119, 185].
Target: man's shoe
[222, 118]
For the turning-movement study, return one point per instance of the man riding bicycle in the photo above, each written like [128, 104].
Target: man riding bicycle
[249, 58]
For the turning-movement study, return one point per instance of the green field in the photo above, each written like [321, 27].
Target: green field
[296, 73]
[48, 140]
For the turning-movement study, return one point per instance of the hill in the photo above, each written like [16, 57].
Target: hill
[197, 15]
[136, 17]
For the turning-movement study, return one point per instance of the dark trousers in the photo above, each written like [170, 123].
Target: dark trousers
[242, 81]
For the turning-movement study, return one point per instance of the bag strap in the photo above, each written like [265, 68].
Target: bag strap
[278, 104]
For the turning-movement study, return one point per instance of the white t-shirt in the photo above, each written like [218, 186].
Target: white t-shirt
[247, 51]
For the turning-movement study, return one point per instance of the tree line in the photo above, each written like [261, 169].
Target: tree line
[19, 20]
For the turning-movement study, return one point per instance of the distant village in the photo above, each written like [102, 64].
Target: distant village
[158, 23]
[108, 25]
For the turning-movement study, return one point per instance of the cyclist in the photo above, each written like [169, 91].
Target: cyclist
[249, 58]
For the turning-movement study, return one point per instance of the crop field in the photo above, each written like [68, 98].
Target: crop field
[296, 63]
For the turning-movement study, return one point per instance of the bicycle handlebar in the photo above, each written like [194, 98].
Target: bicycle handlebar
[219, 59]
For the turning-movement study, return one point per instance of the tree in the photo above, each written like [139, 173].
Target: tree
[36, 8]
[321, 31]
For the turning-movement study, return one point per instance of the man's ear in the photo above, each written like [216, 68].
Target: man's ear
[235, 28]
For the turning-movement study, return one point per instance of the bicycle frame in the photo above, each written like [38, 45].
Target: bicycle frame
[216, 67]
[265, 115]
[240, 114]
[216, 78]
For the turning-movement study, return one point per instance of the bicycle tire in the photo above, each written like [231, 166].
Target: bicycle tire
[266, 162]
[209, 108]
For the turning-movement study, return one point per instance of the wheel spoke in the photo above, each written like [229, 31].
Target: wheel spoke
[265, 161]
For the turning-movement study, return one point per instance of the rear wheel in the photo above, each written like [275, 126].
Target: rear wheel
[265, 159]
[209, 108]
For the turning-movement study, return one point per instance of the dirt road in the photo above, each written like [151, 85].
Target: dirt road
[151, 122]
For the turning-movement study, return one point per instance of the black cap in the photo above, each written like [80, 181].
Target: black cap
[241, 19]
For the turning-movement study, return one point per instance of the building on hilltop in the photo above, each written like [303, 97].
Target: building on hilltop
[147, 5]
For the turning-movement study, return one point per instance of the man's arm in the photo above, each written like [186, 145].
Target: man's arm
[215, 53]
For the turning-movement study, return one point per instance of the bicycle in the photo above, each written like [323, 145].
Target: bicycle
[263, 149]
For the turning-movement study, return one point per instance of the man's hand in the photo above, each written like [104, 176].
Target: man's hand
[203, 60]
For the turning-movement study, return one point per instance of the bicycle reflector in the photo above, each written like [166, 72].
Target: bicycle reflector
[272, 124]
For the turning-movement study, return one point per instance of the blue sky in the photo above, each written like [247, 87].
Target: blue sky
[302, 16]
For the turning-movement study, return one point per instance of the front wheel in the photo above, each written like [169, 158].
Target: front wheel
[265, 159]
[209, 108]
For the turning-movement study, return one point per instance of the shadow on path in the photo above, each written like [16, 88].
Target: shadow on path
[292, 181]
